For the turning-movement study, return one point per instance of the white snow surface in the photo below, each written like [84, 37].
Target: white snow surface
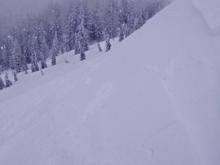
[154, 99]
[210, 9]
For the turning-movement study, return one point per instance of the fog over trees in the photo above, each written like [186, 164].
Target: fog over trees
[72, 25]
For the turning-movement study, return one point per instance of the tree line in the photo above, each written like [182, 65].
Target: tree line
[39, 39]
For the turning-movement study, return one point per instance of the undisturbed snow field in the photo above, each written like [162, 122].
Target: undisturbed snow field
[154, 99]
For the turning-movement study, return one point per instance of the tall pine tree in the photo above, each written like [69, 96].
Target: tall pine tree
[55, 50]
[44, 53]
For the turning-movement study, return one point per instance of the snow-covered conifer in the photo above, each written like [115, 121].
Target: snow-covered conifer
[98, 25]
[81, 43]
[4, 58]
[15, 63]
[44, 53]
[55, 50]
[111, 18]
[34, 58]
[15, 75]
[2, 85]
[8, 83]
[107, 41]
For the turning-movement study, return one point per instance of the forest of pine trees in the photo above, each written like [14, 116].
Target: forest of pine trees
[58, 29]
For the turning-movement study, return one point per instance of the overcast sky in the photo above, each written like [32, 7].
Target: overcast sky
[15, 8]
[11, 10]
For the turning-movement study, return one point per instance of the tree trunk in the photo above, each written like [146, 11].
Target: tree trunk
[15, 76]
[54, 61]
[108, 45]
[82, 56]
[99, 47]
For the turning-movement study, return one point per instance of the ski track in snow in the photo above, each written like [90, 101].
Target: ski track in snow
[98, 102]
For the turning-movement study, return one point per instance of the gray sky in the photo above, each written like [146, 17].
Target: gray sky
[11, 10]
[15, 8]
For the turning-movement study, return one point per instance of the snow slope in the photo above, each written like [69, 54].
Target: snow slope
[211, 13]
[154, 99]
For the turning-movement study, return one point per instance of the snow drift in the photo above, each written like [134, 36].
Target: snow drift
[154, 99]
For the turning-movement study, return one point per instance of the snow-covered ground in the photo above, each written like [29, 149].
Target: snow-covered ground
[154, 99]
[211, 13]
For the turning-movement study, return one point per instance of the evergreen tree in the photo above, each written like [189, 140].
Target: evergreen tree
[8, 83]
[34, 58]
[59, 29]
[44, 53]
[97, 25]
[24, 47]
[15, 75]
[1, 57]
[2, 85]
[82, 53]
[107, 41]
[81, 43]
[82, 30]
[77, 43]
[15, 63]
[34, 63]
[127, 18]
[71, 26]
[121, 33]
[57, 22]
[111, 18]
[4, 58]
[55, 50]
[20, 36]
